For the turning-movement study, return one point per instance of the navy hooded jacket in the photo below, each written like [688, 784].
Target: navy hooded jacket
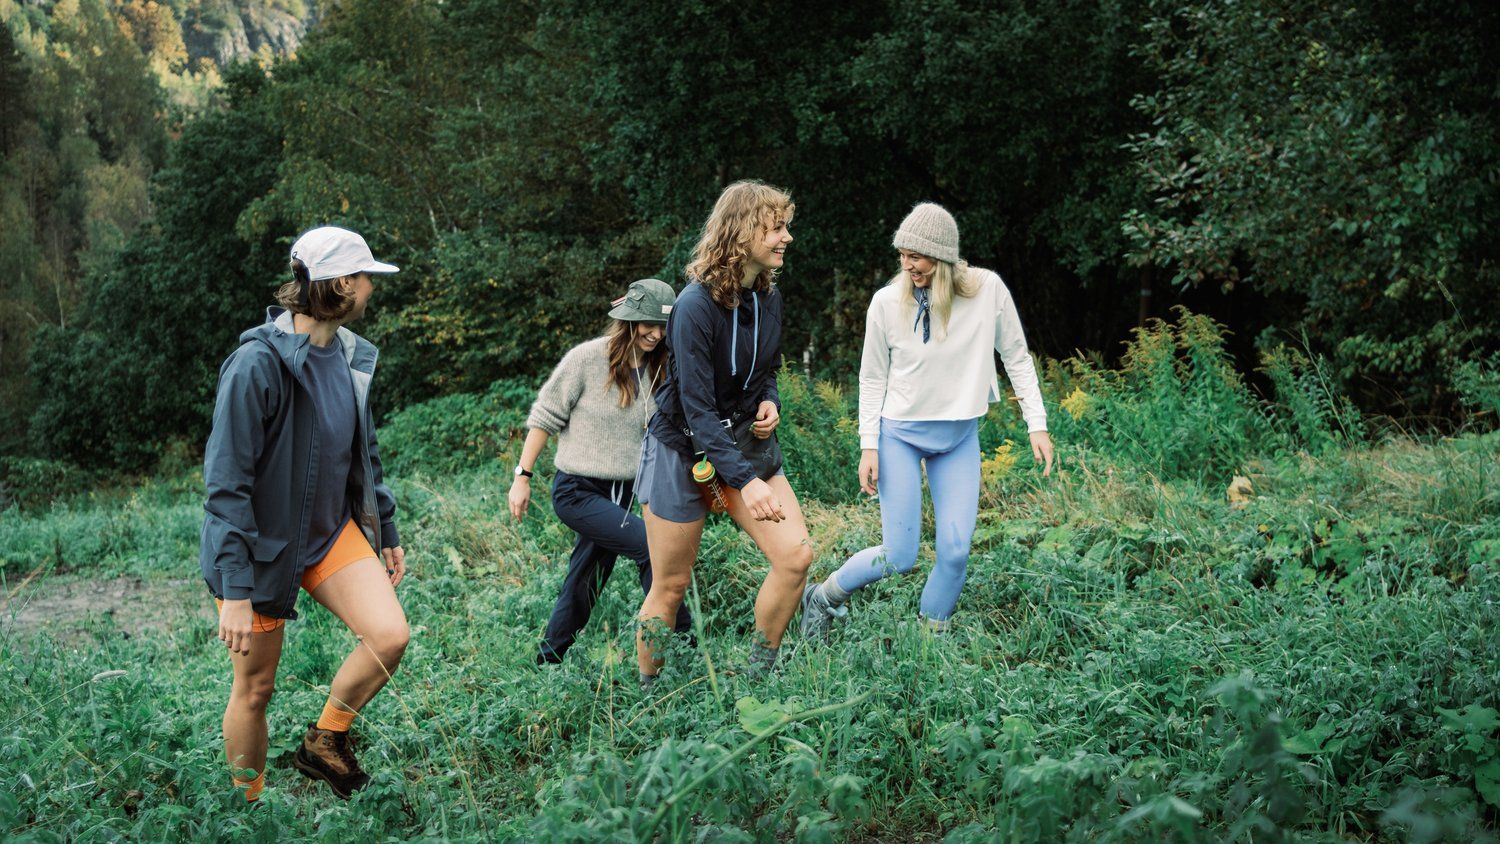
[723, 364]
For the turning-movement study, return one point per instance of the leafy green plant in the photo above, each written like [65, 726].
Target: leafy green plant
[1176, 407]
[457, 432]
[1477, 382]
[1475, 730]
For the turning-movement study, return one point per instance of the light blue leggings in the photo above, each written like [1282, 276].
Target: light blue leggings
[951, 449]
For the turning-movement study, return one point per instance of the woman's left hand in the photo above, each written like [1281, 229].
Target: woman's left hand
[766, 420]
[395, 563]
[1041, 449]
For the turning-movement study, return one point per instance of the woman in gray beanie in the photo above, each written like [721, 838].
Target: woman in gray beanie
[597, 404]
[926, 377]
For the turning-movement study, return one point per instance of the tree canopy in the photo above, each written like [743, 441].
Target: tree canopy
[524, 161]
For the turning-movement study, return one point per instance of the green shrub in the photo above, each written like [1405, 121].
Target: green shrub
[1309, 411]
[820, 438]
[32, 483]
[1176, 407]
[1477, 382]
[453, 433]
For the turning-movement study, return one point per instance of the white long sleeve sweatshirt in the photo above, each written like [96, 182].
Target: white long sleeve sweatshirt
[953, 375]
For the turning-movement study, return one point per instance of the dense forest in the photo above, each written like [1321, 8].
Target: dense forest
[1252, 247]
[93, 97]
[1312, 174]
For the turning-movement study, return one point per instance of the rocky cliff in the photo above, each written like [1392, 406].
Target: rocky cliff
[227, 32]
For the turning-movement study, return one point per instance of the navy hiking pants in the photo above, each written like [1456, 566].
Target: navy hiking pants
[595, 509]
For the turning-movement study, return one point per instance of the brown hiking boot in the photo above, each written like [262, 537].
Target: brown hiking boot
[327, 755]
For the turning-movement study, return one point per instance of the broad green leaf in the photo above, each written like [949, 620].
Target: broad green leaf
[1309, 742]
[1487, 782]
[756, 717]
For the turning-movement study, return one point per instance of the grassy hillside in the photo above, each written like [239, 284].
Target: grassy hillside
[1136, 658]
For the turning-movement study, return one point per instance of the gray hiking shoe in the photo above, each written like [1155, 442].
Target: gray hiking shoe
[818, 614]
[762, 662]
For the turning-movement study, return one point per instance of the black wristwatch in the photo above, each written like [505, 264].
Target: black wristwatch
[522, 473]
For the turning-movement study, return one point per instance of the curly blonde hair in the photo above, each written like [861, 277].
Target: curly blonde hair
[745, 210]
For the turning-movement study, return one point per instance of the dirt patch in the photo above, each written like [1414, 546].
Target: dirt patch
[71, 609]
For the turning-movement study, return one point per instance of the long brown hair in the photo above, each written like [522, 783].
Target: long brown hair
[325, 300]
[621, 373]
[745, 211]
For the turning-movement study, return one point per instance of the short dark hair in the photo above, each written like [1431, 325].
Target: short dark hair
[324, 300]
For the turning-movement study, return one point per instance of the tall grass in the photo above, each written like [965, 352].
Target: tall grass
[1136, 658]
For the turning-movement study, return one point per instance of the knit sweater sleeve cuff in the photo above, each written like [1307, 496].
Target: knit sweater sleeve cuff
[388, 535]
[543, 420]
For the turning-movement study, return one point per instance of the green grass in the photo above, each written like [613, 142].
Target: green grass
[1136, 660]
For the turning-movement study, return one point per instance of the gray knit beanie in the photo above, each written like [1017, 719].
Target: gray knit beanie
[929, 230]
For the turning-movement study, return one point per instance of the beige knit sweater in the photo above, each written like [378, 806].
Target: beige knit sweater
[596, 437]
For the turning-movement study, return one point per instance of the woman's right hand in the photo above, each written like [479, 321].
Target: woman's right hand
[236, 619]
[520, 496]
[869, 470]
[761, 501]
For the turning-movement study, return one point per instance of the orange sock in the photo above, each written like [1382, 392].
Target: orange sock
[252, 787]
[334, 718]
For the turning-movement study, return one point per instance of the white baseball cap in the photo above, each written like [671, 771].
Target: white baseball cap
[332, 252]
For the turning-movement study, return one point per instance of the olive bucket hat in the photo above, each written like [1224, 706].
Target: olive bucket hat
[648, 300]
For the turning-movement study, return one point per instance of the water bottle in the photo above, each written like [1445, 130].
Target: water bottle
[707, 478]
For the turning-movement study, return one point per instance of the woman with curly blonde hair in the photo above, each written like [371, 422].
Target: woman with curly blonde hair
[718, 401]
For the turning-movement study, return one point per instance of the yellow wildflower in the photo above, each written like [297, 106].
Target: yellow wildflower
[996, 467]
[1077, 403]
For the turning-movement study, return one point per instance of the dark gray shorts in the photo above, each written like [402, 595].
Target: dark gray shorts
[665, 481]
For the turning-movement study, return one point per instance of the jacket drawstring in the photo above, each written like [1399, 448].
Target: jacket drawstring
[754, 343]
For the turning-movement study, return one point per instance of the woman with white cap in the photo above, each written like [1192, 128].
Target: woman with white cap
[926, 376]
[597, 404]
[296, 497]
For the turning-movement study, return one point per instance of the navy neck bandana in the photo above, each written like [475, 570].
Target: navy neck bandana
[924, 312]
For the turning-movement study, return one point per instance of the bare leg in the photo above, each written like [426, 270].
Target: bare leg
[250, 694]
[788, 547]
[674, 549]
[362, 597]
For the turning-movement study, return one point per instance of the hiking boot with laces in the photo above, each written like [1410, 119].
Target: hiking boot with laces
[817, 613]
[327, 755]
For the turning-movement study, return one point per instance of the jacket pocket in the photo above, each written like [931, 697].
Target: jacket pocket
[268, 548]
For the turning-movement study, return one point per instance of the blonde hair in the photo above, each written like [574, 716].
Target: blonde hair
[744, 211]
[948, 280]
[621, 373]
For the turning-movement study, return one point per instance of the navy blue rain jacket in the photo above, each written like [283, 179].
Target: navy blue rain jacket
[261, 465]
[723, 364]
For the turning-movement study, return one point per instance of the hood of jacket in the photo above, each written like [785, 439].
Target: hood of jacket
[278, 333]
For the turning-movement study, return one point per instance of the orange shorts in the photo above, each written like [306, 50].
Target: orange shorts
[351, 546]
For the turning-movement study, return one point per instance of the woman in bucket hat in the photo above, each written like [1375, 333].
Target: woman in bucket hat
[719, 401]
[296, 498]
[926, 376]
[597, 404]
